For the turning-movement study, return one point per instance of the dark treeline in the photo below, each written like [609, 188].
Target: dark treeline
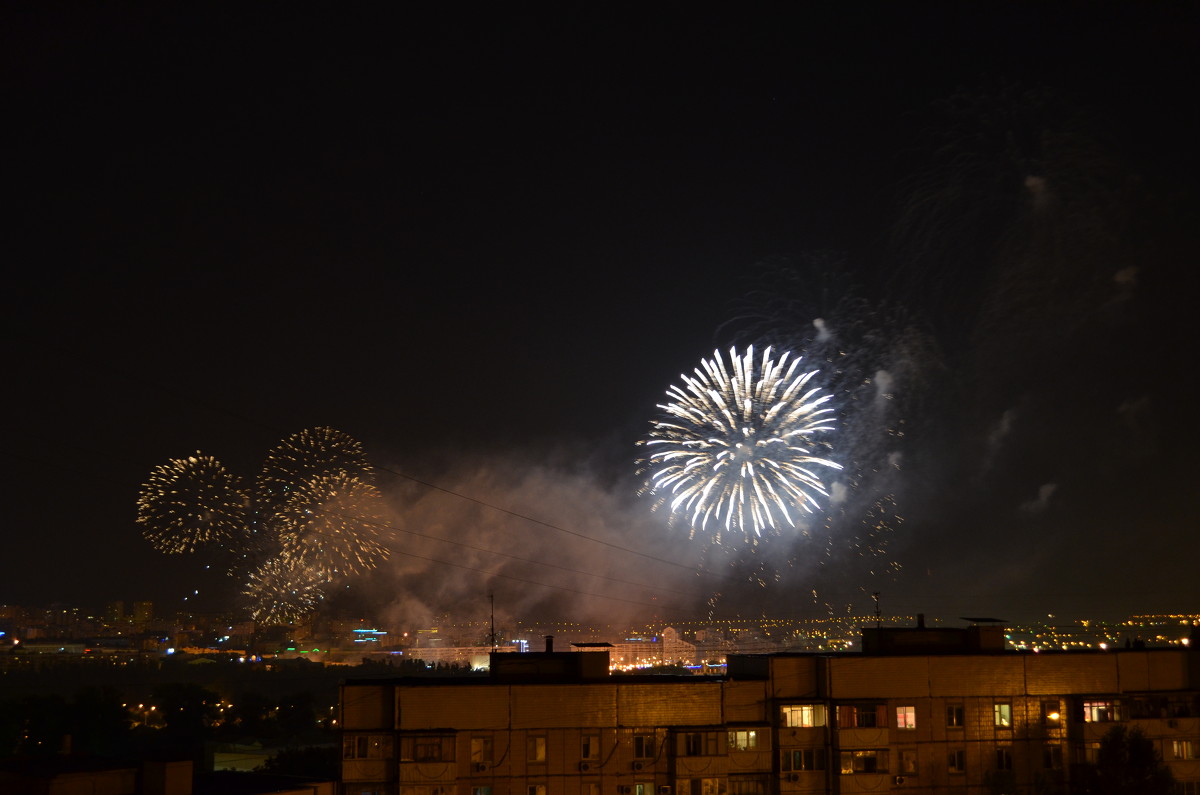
[60, 707]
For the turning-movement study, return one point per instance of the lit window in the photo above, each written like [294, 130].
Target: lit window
[874, 760]
[743, 740]
[481, 749]
[535, 748]
[1101, 711]
[954, 716]
[906, 717]
[802, 759]
[797, 716]
[956, 761]
[1002, 713]
[1184, 749]
[1051, 713]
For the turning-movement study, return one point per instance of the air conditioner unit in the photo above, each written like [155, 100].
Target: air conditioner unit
[479, 767]
[625, 789]
[638, 765]
[898, 780]
[585, 767]
[793, 777]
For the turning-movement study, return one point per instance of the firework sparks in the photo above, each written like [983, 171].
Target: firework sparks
[735, 447]
[284, 590]
[302, 456]
[332, 522]
[189, 503]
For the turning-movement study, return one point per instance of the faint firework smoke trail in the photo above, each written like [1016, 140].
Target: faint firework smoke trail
[190, 503]
[735, 449]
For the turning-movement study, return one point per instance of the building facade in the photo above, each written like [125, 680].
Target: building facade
[795, 724]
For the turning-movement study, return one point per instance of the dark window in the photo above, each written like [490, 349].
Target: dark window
[701, 744]
[802, 759]
[747, 785]
[862, 716]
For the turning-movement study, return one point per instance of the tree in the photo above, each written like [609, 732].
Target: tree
[1128, 764]
[188, 709]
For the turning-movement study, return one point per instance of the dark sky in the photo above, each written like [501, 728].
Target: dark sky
[484, 245]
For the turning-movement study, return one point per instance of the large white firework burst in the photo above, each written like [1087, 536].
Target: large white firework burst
[735, 450]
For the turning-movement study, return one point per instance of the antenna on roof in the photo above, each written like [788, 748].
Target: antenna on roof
[878, 621]
[492, 632]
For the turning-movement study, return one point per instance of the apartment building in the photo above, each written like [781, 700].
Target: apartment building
[947, 713]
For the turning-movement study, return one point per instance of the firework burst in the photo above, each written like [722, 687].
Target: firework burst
[302, 456]
[189, 503]
[332, 522]
[284, 590]
[735, 445]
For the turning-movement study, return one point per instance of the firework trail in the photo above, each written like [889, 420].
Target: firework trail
[284, 590]
[332, 522]
[189, 503]
[735, 446]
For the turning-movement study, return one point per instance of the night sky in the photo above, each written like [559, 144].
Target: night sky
[485, 244]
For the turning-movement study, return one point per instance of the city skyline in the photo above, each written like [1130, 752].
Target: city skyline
[486, 248]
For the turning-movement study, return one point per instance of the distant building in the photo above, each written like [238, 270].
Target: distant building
[114, 612]
[927, 712]
[143, 612]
